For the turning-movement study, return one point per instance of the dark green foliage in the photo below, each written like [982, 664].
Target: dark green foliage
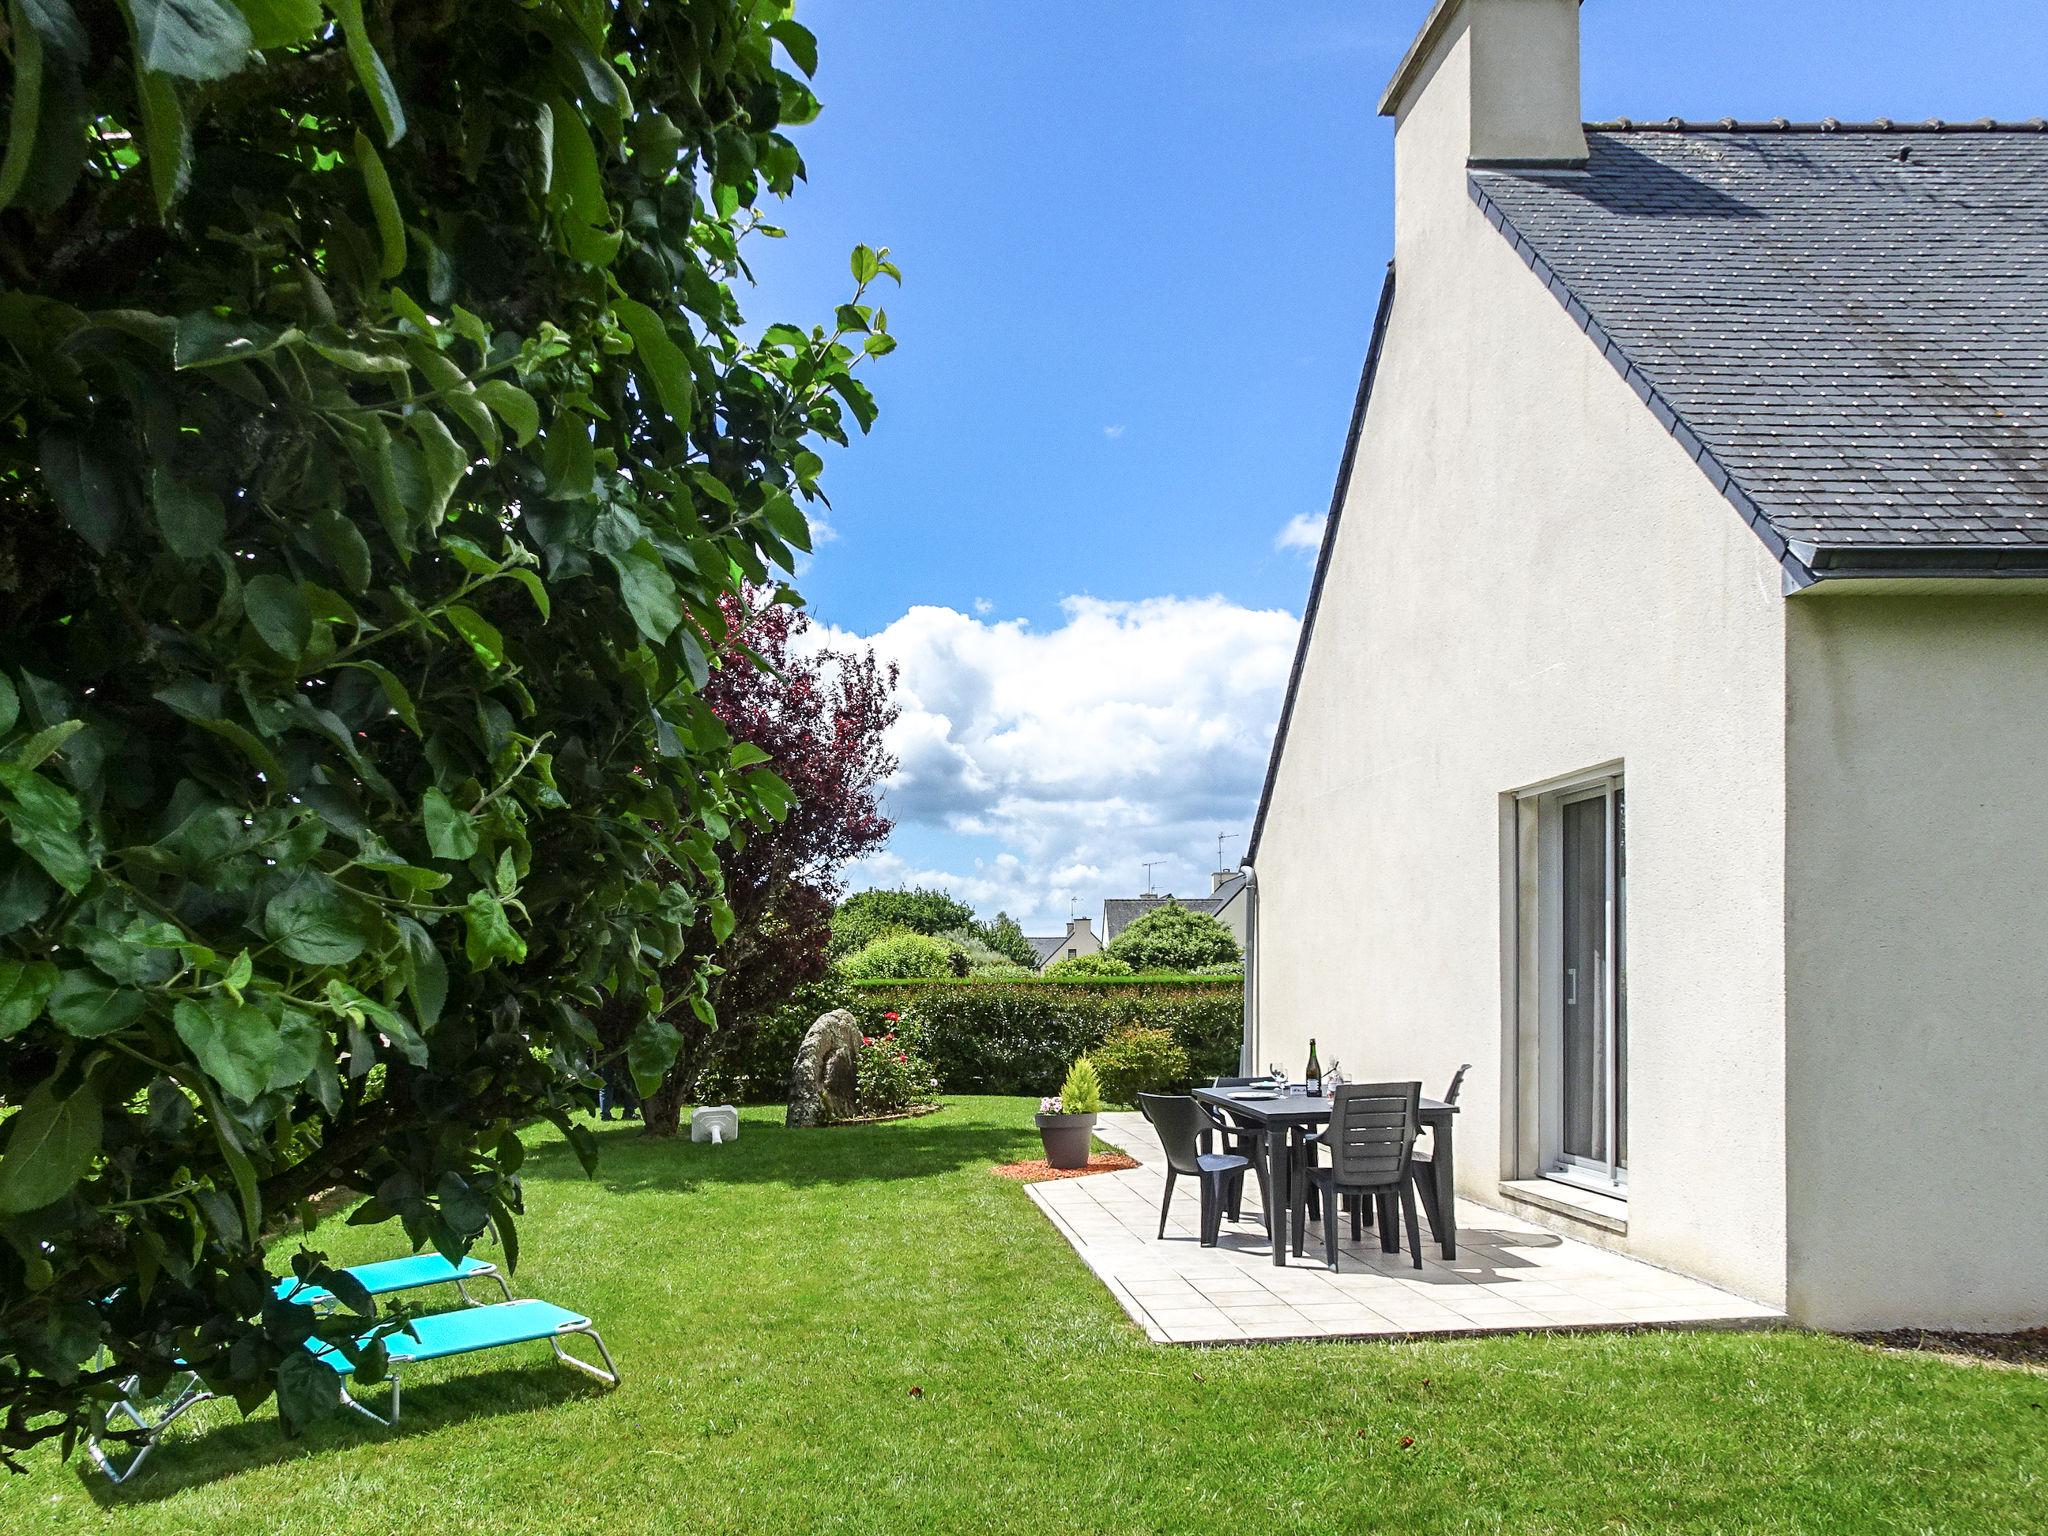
[869, 915]
[1020, 1036]
[382, 438]
[1135, 1061]
[1006, 938]
[1171, 937]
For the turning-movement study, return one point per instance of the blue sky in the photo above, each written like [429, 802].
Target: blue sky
[1141, 245]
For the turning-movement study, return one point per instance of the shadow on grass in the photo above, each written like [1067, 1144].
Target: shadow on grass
[235, 1446]
[766, 1153]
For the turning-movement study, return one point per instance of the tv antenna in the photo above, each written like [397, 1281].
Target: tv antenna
[1220, 836]
[1148, 874]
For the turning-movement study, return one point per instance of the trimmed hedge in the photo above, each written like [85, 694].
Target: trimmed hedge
[991, 1035]
[987, 1036]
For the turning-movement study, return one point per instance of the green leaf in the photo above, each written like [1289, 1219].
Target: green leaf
[56, 24]
[383, 206]
[451, 834]
[785, 518]
[515, 407]
[745, 754]
[192, 39]
[427, 982]
[649, 592]
[865, 263]
[395, 692]
[370, 70]
[314, 920]
[535, 589]
[51, 1145]
[10, 705]
[277, 23]
[84, 486]
[24, 987]
[167, 140]
[664, 361]
[193, 522]
[42, 818]
[345, 548]
[488, 932]
[569, 460]
[651, 1050]
[235, 1044]
[208, 341]
[278, 610]
[25, 110]
[482, 635]
[85, 1005]
[395, 1026]
[446, 463]
[308, 1390]
[36, 751]
[797, 42]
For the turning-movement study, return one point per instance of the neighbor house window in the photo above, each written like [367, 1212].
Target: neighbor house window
[1581, 983]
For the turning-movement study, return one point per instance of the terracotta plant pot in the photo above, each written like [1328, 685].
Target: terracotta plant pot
[1066, 1139]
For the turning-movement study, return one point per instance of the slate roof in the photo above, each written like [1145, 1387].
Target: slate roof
[1045, 948]
[1119, 912]
[1846, 326]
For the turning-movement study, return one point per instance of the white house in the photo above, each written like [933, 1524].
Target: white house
[1668, 735]
[1079, 939]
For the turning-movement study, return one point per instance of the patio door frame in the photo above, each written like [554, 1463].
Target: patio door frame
[1541, 947]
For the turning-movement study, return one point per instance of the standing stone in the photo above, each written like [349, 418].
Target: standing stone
[822, 1084]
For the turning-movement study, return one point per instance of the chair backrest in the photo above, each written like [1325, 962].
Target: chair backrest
[1457, 1083]
[1238, 1082]
[1180, 1121]
[1372, 1131]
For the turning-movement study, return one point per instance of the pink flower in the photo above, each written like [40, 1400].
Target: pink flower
[867, 1039]
[891, 1017]
[901, 1057]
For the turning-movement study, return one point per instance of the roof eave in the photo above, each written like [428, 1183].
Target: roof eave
[1906, 562]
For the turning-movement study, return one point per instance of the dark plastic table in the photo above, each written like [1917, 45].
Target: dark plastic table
[1275, 1115]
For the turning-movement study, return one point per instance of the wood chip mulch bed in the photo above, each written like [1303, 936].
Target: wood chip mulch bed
[2028, 1348]
[1038, 1170]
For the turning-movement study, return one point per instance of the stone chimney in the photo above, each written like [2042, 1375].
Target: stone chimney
[1078, 925]
[1218, 878]
[1497, 82]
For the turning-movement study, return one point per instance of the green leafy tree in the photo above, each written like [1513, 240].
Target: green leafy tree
[869, 915]
[382, 438]
[1171, 937]
[1006, 938]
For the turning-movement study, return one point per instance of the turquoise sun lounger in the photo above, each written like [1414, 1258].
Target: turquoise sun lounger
[381, 1279]
[470, 1331]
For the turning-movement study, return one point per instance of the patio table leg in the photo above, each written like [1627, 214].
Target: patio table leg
[1278, 1192]
[1446, 1177]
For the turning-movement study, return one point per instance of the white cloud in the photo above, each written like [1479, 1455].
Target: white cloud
[1115, 431]
[1304, 531]
[983, 606]
[1047, 766]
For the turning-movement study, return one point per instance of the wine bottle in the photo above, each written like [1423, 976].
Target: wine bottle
[1314, 1074]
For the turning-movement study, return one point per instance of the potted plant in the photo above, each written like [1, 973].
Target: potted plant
[1066, 1121]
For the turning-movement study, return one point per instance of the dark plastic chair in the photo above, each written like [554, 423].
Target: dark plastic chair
[1250, 1141]
[1238, 1137]
[1422, 1167]
[1181, 1123]
[1371, 1141]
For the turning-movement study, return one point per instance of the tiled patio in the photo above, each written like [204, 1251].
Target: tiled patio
[1508, 1275]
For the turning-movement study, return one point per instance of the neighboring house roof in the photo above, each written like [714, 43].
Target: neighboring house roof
[1226, 893]
[1119, 912]
[1045, 948]
[1846, 326]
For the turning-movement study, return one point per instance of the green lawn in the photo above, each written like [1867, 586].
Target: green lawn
[775, 1304]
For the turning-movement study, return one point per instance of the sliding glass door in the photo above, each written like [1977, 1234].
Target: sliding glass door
[1591, 1132]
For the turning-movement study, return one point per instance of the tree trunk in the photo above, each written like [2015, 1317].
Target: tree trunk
[661, 1112]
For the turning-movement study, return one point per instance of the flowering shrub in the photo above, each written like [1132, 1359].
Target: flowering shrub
[892, 1074]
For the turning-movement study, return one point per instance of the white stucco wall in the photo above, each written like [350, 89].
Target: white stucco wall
[1917, 1055]
[1532, 580]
